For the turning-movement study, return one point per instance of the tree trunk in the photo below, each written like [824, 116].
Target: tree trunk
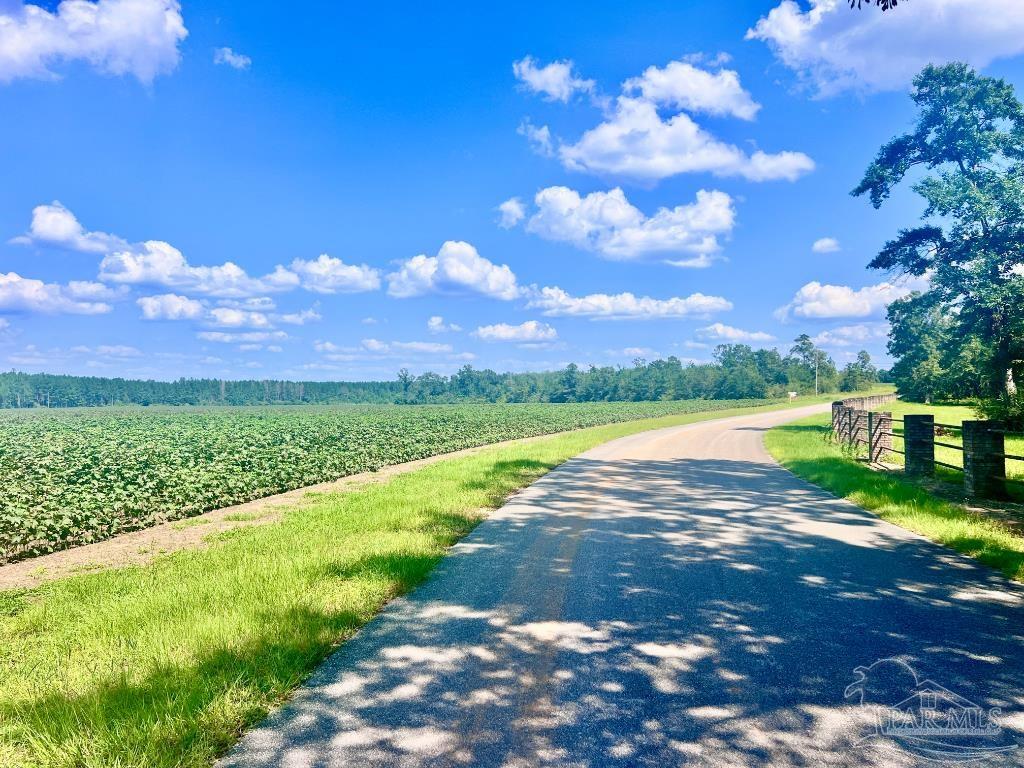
[1011, 382]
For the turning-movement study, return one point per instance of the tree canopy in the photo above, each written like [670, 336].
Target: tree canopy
[966, 155]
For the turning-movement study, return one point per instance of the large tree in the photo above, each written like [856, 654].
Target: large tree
[967, 156]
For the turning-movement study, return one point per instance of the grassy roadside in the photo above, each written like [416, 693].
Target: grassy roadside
[802, 448]
[165, 664]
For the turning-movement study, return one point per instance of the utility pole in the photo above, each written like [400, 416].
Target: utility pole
[816, 359]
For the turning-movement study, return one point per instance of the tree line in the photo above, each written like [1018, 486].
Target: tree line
[737, 372]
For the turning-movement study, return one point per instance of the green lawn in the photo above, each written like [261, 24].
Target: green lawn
[165, 664]
[804, 448]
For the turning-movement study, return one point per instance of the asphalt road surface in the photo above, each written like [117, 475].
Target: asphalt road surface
[674, 598]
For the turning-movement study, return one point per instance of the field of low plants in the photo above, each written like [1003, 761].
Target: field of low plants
[76, 476]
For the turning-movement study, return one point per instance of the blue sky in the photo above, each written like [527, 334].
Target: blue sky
[256, 190]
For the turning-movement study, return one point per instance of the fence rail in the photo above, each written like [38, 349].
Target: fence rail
[983, 443]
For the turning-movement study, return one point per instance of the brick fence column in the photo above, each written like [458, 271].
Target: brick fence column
[919, 444]
[983, 468]
[837, 414]
[879, 436]
[859, 438]
[846, 421]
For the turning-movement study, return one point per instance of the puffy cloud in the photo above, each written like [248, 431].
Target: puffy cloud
[635, 142]
[817, 300]
[115, 37]
[22, 294]
[832, 49]
[436, 324]
[170, 306]
[512, 212]
[722, 332]
[554, 301]
[825, 245]
[155, 262]
[327, 274]
[556, 81]
[529, 331]
[681, 85]
[54, 224]
[231, 58]
[539, 138]
[228, 317]
[606, 222]
[852, 335]
[457, 267]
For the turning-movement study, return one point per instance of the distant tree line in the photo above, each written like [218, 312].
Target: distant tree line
[738, 372]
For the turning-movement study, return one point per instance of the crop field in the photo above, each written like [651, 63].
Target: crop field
[72, 477]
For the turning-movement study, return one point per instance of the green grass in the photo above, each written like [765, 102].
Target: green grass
[803, 447]
[165, 664]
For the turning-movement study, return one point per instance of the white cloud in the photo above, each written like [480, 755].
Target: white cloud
[817, 300]
[681, 85]
[327, 274]
[299, 318]
[231, 58]
[223, 337]
[117, 350]
[54, 224]
[436, 324]
[539, 138]
[606, 222]
[722, 332]
[529, 331]
[556, 81]
[852, 335]
[22, 294]
[115, 37]
[825, 245]
[155, 262]
[170, 306]
[512, 212]
[457, 267]
[554, 301]
[228, 317]
[423, 347]
[833, 49]
[635, 142]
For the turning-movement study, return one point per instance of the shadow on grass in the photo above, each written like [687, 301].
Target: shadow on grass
[503, 477]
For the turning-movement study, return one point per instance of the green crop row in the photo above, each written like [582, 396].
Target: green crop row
[73, 477]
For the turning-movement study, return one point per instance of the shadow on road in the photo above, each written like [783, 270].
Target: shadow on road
[656, 612]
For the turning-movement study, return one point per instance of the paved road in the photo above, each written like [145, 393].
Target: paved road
[671, 598]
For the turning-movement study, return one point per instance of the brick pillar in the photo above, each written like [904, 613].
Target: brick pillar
[982, 467]
[837, 414]
[859, 436]
[919, 444]
[879, 436]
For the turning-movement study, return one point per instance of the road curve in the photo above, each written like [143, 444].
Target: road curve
[670, 598]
